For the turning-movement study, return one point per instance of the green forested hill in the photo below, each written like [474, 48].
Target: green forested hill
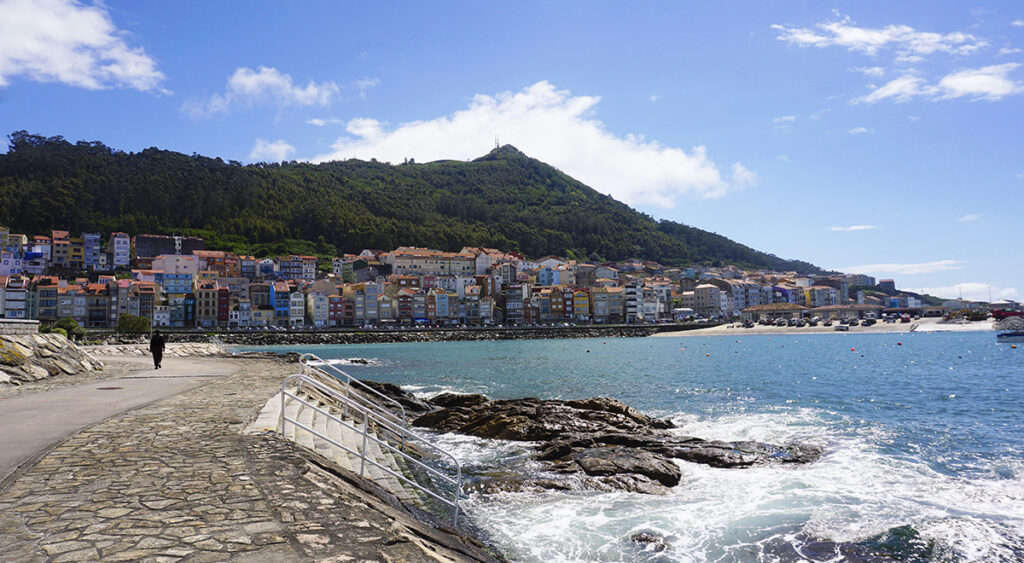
[503, 200]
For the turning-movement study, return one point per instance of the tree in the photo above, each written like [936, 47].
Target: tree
[68, 324]
[132, 324]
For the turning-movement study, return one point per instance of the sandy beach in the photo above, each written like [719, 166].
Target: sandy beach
[923, 325]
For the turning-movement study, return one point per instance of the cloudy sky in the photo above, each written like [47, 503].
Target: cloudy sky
[876, 137]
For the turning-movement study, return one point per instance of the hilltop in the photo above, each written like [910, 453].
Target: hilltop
[503, 199]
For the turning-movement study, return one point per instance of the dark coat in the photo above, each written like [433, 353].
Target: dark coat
[156, 344]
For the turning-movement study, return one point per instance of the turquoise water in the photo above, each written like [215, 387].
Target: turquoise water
[923, 434]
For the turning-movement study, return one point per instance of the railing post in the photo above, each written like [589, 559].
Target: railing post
[282, 408]
[458, 493]
[362, 457]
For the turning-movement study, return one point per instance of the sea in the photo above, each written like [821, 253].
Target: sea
[923, 437]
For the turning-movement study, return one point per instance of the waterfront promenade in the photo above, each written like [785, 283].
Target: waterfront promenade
[146, 465]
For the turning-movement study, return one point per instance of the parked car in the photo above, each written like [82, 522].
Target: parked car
[841, 328]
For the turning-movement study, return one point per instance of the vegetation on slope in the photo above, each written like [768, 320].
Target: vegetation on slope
[503, 200]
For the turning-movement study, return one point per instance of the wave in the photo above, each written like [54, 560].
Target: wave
[859, 501]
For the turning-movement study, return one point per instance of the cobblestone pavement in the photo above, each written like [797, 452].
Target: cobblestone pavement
[175, 480]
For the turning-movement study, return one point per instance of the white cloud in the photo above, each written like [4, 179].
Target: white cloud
[874, 71]
[859, 131]
[908, 42]
[1017, 23]
[63, 41]
[855, 228]
[271, 151]
[321, 122]
[970, 217]
[906, 269]
[971, 291]
[365, 85]
[913, 118]
[555, 127]
[265, 86]
[901, 89]
[986, 83]
[785, 122]
[655, 97]
[1009, 51]
[783, 157]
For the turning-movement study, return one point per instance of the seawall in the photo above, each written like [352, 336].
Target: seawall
[309, 337]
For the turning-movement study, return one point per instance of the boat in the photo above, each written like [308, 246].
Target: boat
[1010, 329]
[1010, 336]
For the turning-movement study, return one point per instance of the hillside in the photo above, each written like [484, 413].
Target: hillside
[503, 200]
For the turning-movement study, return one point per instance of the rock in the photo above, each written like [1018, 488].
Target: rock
[614, 460]
[615, 406]
[36, 372]
[4, 377]
[445, 420]
[649, 541]
[38, 356]
[411, 402]
[612, 445]
[12, 355]
[449, 400]
[739, 454]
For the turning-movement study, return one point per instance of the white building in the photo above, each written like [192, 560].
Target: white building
[317, 309]
[296, 309]
[161, 316]
[120, 248]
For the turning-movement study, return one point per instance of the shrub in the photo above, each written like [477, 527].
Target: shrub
[77, 333]
[132, 324]
[68, 324]
[60, 331]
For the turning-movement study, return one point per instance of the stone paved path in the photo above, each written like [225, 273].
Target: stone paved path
[176, 481]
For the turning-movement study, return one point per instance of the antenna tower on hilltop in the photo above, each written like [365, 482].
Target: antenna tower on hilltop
[497, 145]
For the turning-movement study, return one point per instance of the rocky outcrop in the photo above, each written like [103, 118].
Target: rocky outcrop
[596, 443]
[31, 357]
[173, 350]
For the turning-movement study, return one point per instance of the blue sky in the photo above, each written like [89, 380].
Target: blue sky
[876, 137]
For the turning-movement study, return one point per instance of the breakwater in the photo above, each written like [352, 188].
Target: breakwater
[310, 337]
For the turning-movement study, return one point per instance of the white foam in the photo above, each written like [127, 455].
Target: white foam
[854, 493]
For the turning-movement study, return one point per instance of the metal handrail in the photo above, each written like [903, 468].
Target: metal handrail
[401, 431]
[369, 416]
[303, 360]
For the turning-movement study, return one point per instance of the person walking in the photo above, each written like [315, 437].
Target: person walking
[156, 346]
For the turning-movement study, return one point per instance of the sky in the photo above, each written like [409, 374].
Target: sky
[867, 137]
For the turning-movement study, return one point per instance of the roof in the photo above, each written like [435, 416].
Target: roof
[775, 308]
[851, 307]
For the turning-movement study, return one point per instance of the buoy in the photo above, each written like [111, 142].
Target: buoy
[852, 350]
[588, 351]
[899, 344]
[1014, 346]
[707, 355]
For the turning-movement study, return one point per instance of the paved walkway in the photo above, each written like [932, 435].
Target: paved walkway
[32, 423]
[174, 480]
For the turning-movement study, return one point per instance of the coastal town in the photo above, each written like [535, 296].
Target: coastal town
[175, 282]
